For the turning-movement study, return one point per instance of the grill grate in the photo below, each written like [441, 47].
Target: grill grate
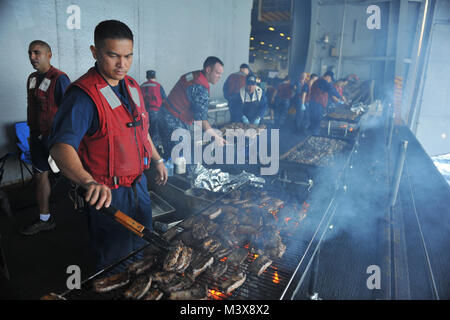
[268, 286]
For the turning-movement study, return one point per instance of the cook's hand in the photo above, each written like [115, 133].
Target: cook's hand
[161, 174]
[219, 141]
[97, 194]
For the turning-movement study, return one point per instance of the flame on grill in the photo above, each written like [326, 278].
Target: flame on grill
[223, 259]
[275, 277]
[274, 213]
[217, 295]
[305, 206]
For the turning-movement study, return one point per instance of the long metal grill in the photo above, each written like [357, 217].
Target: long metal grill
[273, 282]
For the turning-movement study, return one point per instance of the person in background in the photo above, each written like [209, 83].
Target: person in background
[270, 95]
[285, 92]
[339, 85]
[45, 90]
[321, 90]
[253, 102]
[154, 95]
[312, 78]
[231, 87]
[188, 101]
[301, 91]
[100, 141]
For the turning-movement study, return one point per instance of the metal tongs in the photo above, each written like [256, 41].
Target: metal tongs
[134, 226]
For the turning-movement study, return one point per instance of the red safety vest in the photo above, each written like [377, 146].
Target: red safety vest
[339, 89]
[308, 95]
[151, 90]
[284, 90]
[177, 102]
[319, 96]
[41, 101]
[234, 83]
[119, 151]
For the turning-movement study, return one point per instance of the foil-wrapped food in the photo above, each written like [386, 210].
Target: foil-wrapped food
[218, 181]
[239, 125]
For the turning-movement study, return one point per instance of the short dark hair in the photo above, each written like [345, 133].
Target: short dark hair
[211, 61]
[151, 74]
[313, 75]
[111, 29]
[41, 43]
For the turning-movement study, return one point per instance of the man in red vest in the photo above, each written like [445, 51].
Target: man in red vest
[100, 141]
[154, 96]
[285, 92]
[45, 90]
[231, 88]
[188, 101]
[321, 90]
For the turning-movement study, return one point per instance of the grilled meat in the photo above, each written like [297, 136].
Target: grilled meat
[231, 218]
[250, 205]
[273, 204]
[110, 283]
[142, 265]
[211, 226]
[237, 257]
[260, 265]
[318, 151]
[251, 219]
[217, 269]
[270, 244]
[198, 265]
[246, 229]
[228, 228]
[178, 258]
[153, 294]
[170, 262]
[210, 244]
[228, 238]
[52, 296]
[233, 282]
[242, 238]
[230, 209]
[212, 213]
[138, 288]
[178, 283]
[200, 231]
[196, 292]
[184, 260]
[163, 277]
[276, 252]
[223, 251]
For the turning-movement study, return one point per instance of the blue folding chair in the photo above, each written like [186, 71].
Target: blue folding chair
[22, 134]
